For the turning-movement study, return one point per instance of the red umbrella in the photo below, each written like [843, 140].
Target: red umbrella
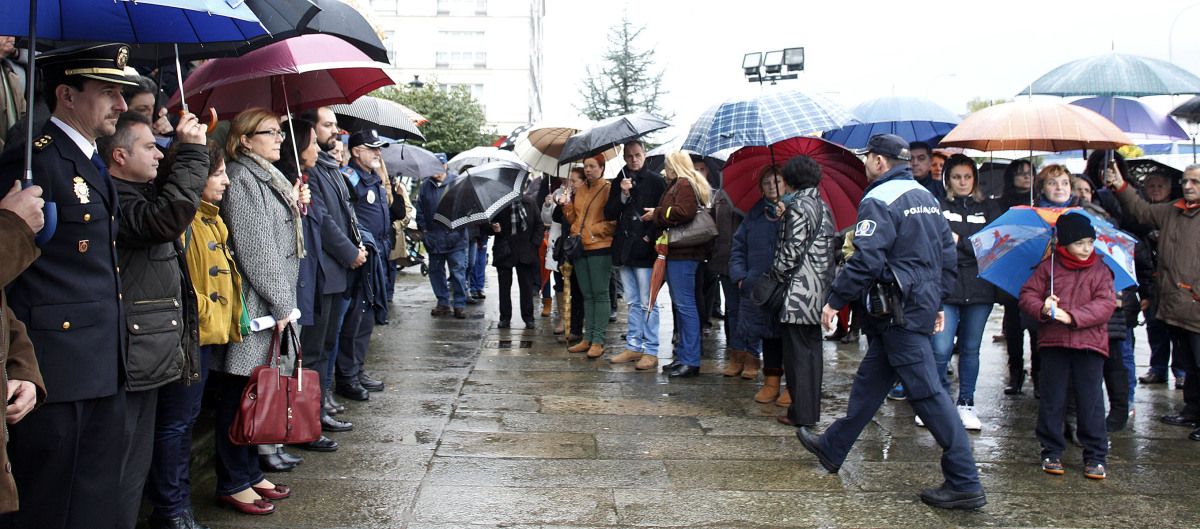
[842, 175]
[659, 273]
[303, 72]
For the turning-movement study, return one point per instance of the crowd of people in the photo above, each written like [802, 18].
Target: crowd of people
[173, 241]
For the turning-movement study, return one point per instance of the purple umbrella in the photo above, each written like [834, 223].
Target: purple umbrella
[1140, 122]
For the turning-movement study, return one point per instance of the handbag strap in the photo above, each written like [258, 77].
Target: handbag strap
[588, 209]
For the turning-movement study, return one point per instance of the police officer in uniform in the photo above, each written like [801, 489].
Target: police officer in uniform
[903, 267]
[66, 457]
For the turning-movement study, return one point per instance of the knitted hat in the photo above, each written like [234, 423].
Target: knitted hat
[1072, 227]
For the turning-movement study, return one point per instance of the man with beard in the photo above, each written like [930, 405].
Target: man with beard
[371, 208]
[66, 457]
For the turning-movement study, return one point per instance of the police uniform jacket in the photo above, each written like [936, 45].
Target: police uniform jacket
[371, 207]
[900, 237]
[160, 304]
[16, 352]
[69, 298]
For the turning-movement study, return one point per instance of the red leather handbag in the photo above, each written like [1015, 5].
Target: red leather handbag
[276, 409]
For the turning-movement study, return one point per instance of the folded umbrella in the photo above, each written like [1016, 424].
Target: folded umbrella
[1010, 247]
[411, 161]
[390, 118]
[911, 118]
[477, 156]
[480, 193]
[308, 71]
[658, 274]
[764, 119]
[608, 134]
[843, 178]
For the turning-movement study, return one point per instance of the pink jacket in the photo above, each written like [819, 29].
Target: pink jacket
[1087, 295]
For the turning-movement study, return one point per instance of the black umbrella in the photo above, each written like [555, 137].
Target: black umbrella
[609, 133]
[390, 118]
[1189, 110]
[480, 193]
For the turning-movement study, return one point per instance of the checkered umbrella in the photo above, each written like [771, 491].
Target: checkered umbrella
[764, 119]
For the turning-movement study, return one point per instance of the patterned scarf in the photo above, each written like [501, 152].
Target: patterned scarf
[264, 170]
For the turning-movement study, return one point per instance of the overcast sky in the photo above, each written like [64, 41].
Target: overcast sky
[948, 51]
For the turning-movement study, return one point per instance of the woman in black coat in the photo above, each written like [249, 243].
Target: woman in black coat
[518, 229]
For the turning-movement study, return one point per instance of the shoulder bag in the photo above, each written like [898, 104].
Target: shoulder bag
[769, 291]
[276, 409]
[571, 244]
[696, 232]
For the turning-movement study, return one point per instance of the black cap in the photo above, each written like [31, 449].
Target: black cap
[367, 137]
[1072, 227]
[101, 62]
[889, 145]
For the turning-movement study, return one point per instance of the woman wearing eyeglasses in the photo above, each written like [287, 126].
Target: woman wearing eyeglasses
[262, 211]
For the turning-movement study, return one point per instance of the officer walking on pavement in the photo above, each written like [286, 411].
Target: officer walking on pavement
[66, 457]
[904, 263]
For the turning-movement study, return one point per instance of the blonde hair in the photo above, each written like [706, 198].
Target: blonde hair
[680, 163]
[1051, 171]
[244, 124]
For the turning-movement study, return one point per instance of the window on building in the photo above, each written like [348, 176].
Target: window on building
[386, 7]
[461, 49]
[476, 90]
[462, 7]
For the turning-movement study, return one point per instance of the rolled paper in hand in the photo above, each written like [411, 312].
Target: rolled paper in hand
[268, 321]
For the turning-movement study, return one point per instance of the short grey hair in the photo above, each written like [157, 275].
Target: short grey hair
[1192, 167]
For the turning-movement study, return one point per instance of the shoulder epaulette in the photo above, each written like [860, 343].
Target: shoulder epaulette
[42, 142]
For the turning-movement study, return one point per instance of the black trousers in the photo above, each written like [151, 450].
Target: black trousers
[803, 368]
[1014, 340]
[772, 353]
[66, 460]
[314, 337]
[577, 307]
[355, 336]
[1116, 383]
[1187, 344]
[1078, 371]
[141, 410]
[525, 288]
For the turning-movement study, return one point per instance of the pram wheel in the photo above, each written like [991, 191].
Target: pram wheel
[424, 269]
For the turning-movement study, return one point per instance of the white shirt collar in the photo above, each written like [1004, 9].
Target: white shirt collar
[86, 147]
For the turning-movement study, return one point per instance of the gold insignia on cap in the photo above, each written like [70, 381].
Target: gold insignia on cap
[81, 190]
[122, 56]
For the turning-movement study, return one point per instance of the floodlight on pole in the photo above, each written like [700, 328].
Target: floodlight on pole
[774, 65]
[751, 62]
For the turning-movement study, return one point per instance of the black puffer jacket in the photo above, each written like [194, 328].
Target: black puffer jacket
[633, 242]
[160, 303]
[966, 217]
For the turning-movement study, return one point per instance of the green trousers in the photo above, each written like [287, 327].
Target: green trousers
[593, 273]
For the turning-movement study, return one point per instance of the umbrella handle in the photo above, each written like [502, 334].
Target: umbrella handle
[50, 216]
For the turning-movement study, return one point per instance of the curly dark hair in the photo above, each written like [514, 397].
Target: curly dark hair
[801, 172]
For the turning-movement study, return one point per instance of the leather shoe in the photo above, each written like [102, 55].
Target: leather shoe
[175, 522]
[460, 314]
[945, 497]
[671, 366]
[370, 384]
[324, 444]
[278, 493]
[684, 371]
[333, 403]
[330, 424]
[288, 458]
[1181, 420]
[1153, 378]
[351, 389]
[274, 463]
[811, 443]
[259, 506]
[1195, 435]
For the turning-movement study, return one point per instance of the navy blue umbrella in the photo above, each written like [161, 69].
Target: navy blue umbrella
[911, 118]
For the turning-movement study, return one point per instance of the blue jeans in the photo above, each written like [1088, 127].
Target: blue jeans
[1130, 363]
[457, 263]
[681, 278]
[642, 336]
[965, 322]
[477, 264]
[169, 483]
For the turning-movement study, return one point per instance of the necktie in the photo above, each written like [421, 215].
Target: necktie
[99, 163]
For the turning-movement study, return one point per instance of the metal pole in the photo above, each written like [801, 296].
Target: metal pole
[179, 78]
[30, 82]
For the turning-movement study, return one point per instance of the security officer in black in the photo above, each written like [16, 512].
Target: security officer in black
[904, 257]
[66, 456]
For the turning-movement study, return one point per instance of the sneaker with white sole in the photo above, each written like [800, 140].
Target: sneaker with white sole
[967, 414]
[917, 419]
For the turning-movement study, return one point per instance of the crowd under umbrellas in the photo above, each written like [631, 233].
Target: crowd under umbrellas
[307, 55]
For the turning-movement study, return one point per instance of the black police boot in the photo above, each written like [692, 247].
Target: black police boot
[945, 497]
[351, 388]
[368, 383]
[330, 424]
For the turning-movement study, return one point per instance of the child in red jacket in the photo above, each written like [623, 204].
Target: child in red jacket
[1073, 342]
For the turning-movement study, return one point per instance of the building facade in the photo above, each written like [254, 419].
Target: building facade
[493, 48]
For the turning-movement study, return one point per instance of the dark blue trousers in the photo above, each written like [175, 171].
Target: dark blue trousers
[169, 486]
[1082, 372]
[908, 356]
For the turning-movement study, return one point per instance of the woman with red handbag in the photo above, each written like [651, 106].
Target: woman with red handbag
[262, 212]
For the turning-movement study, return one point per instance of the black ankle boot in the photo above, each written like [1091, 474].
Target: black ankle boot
[1015, 382]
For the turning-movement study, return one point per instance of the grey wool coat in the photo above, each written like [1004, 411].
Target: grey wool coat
[261, 218]
[805, 257]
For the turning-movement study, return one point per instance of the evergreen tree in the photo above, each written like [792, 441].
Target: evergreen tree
[456, 120]
[627, 81]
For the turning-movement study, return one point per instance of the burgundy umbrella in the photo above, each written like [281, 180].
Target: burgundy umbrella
[842, 175]
[303, 72]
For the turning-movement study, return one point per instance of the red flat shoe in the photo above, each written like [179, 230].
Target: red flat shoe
[278, 493]
[256, 507]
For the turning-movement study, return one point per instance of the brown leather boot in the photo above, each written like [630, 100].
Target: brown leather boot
[734, 362]
[596, 350]
[770, 388]
[559, 327]
[785, 398]
[546, 307]
[647, 362]
[625, 357]
[580, 347]
[750, 369]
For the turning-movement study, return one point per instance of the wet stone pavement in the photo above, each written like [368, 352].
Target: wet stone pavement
[482, 427]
